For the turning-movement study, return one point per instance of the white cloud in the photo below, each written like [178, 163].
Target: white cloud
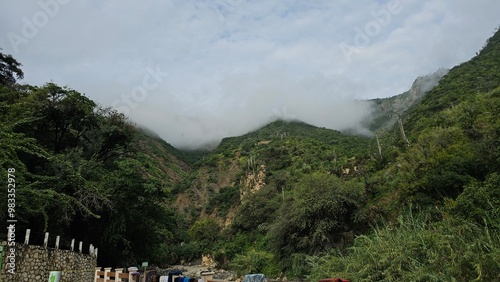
[234, 64]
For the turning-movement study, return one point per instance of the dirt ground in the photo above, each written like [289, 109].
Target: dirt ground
[190, 270]
[194, 271]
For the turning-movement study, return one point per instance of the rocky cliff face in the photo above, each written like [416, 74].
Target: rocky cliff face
[387, 109]
[253, 181]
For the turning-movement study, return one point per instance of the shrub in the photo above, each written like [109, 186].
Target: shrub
[418, 250]
[321, 213]
[254, 262]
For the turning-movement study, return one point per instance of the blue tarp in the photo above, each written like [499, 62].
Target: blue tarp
[255, 278]
[172, 273]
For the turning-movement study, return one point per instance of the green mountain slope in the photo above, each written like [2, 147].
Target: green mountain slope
[290, 192]
[87, 173]
[279, 130]
[462, 84]
[455, 125]
[281, 147]
[241, 187]
[387, 110]
[440, 191]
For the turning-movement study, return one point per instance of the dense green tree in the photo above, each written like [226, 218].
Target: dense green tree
[258, 210]
[80, 172]
[479, 202]
[320, 214]
[205, 232]
[61, 116]
[10, 69]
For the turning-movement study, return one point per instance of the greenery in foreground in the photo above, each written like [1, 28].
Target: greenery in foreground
[417, 248]
[457, 243]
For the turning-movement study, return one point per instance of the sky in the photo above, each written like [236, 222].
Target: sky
[195, 71]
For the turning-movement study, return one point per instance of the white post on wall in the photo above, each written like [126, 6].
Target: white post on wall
[207, 276]
[97, 276]
[91, 249]
[46, 240]
[57, 242]
[95, 252]
[106, 271]
[72, 244]
[130, 276]
[27, 238]
[118, 272]
[80, 246]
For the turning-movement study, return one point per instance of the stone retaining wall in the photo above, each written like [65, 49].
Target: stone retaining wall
[34, 263]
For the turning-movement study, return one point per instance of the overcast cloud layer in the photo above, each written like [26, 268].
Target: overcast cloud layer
[197, 71]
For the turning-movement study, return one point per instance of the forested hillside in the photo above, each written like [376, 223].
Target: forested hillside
[387, 111]
[416, 201]
[86, 172]
[440, 190]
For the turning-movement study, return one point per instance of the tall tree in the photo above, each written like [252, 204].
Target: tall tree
[61, 116]
[9, 69]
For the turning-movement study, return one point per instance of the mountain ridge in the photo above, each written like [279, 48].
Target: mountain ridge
[383, 117]
[290, 190]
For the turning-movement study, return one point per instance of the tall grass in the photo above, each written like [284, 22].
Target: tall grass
[417, 249]
[255, 262]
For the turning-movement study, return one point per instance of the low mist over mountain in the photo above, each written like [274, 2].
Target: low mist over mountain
[315, 101]
[251, 100]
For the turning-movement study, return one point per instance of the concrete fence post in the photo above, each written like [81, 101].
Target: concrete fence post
[46, 240]
[57, 241]
[80, 247]
[96, 276]
[106, 271]
[27, 237]
[72, 245]
[207, 276]
[131, 277]
[118, 271]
